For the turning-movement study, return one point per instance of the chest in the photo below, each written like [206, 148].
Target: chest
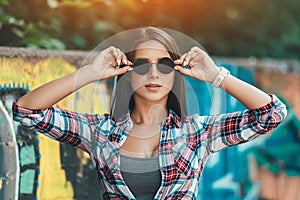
[181, 155]
[174, 146]
[142, 142]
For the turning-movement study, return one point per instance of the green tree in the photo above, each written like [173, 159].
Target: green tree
[268, 28]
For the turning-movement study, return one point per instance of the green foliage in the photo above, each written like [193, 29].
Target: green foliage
[268, 28]
[3, 2]
[19, 27]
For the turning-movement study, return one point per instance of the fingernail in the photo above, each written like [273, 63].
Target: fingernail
[119, 62]
[130, 69]
[176, 68]
[184, 63]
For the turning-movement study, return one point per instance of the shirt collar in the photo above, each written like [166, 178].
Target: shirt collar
[125, 118]
[173, 118]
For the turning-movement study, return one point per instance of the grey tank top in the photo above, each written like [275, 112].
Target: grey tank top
[142, 175]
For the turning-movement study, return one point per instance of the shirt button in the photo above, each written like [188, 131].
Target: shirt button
[160, 191]
[163, 135]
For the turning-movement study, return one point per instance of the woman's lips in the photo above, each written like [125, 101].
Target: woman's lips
[153, 86]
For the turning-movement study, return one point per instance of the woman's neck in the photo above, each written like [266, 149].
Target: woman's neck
[149, 113]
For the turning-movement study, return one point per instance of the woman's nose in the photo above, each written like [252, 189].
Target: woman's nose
[153, 72]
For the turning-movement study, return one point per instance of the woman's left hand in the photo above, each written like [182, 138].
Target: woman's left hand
[202, 67]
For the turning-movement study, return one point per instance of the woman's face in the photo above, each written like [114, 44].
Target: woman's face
[154, 85]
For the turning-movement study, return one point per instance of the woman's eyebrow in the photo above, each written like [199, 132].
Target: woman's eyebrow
[141, 58]
[157, 58]
[164, 58]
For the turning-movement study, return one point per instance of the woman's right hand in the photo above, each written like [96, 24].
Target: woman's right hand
[105, 65]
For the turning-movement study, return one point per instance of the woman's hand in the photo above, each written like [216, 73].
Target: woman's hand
[105, 65]
[202, 67]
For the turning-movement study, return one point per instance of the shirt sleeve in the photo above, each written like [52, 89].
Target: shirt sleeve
[225, 130]
[68, 127]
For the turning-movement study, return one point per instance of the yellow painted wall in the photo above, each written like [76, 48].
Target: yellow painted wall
[52, 179]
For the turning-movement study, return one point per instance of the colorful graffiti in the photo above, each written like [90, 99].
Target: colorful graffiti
[19, 151]
[32, 165]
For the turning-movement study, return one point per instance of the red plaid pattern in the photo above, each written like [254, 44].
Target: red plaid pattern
[185, 145]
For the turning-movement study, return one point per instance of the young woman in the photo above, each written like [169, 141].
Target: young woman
[148, 147]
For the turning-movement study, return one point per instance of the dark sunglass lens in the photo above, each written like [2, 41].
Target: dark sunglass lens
[141, 66]
[142, 69]
[165, 65]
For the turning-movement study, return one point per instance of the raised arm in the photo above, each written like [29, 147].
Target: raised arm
[265, 112]
[35, 110]
[202, 67]
[248, 95]
[103, 67]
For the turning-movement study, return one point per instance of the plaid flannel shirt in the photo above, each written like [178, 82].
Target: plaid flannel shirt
[184, 147]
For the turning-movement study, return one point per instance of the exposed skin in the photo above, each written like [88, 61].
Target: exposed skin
[150, 95]
[150, 103]
[203, 68]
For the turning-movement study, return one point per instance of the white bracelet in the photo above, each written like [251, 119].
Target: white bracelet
[220, 77]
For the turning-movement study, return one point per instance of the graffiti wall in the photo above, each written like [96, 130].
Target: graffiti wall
[19, 150]
[33, 166]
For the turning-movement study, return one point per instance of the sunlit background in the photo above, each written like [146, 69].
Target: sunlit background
[263, 35]
[224, 27]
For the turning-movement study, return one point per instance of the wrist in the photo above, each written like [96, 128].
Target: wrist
[87, 74]
[223, 72]
[90, 73]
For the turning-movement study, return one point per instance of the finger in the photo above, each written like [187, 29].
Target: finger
[193, 53]
[180, 60]
[114, 52]
[122, 70]
[118, 56]
[124, 60]
[195, 49]
[110, 56]
[177, 62]
[183, 70]
[190, 58]
[187, 58]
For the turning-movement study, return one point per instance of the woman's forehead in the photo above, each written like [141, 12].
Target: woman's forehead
[151, 49]
[151, 44]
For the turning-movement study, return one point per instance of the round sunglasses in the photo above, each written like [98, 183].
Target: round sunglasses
[142, 65]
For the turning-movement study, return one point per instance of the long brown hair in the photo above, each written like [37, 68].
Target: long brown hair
[123, 97]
